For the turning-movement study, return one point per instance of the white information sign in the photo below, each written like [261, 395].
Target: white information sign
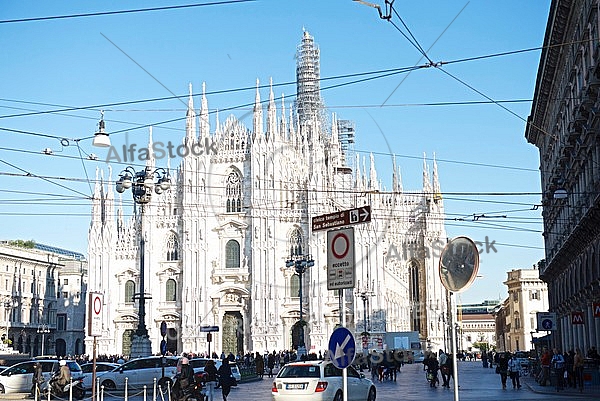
[95, 306]
[340, 259]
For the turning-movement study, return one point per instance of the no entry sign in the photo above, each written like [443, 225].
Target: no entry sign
[95, 306]
[340, 259]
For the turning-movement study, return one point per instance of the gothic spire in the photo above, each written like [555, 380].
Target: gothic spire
[437, 191]
[426, 179]
[204, 123]
[190, 120]
[258, 117]
[271, 114]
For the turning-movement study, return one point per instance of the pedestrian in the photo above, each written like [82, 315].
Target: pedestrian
[514, 371]
[502, 368]
[545, 363]
[260, 365]
[578, 362]
[558, 364]
[271, 363]
[210, 370]
[444, 369]
[225, 377]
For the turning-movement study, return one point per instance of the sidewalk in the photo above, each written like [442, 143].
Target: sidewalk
[550, 389]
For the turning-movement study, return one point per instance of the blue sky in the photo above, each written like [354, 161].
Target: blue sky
[87, 61]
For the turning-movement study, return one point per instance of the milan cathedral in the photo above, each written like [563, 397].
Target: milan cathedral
[217, 243]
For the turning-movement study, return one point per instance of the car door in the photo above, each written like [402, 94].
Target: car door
[357, 388]
[129, 371]
[17, 379]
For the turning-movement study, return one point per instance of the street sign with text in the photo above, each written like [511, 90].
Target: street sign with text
[340, 259]
[208, 329]
[340, 219]
[96, 301]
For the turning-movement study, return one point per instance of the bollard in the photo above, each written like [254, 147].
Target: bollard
[154, 390]
[145, 392]
[126, 390]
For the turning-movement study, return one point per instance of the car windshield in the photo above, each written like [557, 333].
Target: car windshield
[290, 371]
[198, 363]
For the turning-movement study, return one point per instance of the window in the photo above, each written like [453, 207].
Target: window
[66, 281]
[516, 296]
[171, 290]
[232, 254]
[172, 247]
[534, 294]
[61, 321]
[295, 286]
[296, 242]
[65, 294]
[233, 193]
[129, 290]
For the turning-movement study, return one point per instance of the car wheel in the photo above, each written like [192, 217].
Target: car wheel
[372, 394]
[108, 385]
[2, 391]
[338, 396]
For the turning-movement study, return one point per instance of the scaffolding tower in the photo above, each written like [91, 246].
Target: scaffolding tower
[308, 89]
[346, 132]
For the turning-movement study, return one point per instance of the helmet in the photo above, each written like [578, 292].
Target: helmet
[185, 361]
[62, 362]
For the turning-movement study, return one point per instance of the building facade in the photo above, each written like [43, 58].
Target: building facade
[517, 316]
[43, 299]
[564, 125]
[217, 243]
[477, 325]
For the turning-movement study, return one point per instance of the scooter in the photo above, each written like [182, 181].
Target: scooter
[76, 386]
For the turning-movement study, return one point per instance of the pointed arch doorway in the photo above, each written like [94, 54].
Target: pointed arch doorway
[233, 333]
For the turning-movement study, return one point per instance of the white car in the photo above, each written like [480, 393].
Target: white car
[18, 378]
[320, 381]
[101, 368]
[198, 365]
[141, 372]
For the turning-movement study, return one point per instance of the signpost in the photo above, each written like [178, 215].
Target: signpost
[342, 349]
[340, 259]
[95, 304]
[546, 321]
[208, 330]
[340, 219]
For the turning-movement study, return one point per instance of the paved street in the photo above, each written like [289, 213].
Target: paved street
[475, 382]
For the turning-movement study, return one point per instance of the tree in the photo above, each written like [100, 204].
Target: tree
[30, 244]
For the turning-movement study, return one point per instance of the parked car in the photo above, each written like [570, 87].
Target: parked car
[522, 358]
[320, 381]
[18, 378]
[141, 372]
[198, 365]
[101, 368]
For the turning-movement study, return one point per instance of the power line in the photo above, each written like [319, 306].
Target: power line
[139, 10]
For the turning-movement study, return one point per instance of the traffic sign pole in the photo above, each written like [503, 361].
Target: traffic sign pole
[345, 370]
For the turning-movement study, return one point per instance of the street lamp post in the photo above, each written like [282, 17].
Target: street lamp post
[43, 329]
[9, 304]
[300, 263]
[141, 184]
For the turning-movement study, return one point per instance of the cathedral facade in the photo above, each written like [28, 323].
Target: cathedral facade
[216, 243]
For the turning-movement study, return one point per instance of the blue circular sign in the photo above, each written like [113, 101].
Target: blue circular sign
[547, 324]
[342, 348]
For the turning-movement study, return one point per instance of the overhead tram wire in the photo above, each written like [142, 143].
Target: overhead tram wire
[113, 104]
[131, 11]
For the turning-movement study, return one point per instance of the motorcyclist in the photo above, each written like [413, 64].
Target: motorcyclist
[63, 377]
[185, 378]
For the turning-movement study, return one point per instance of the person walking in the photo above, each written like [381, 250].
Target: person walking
[502, 368]
[211, 377]
[578, 362]
[443, 362]
[558, 364]
[514, 371]
[545, 363]
[260, 365]
[225, 378]
[271, 363]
